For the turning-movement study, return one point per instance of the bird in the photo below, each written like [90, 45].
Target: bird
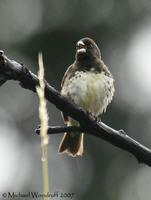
[89, 84]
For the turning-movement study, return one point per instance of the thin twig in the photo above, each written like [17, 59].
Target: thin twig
[60, 129]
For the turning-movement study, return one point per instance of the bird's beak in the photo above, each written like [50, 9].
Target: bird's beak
[81, 48]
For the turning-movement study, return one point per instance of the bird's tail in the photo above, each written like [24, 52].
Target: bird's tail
[72, 144]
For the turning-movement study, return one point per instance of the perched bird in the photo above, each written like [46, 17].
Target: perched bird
[88, 83]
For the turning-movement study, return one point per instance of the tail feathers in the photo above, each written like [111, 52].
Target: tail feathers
[72, 144]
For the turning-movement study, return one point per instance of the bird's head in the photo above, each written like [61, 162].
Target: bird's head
[87, 49]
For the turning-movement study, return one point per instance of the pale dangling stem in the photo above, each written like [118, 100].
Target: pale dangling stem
[44, 124]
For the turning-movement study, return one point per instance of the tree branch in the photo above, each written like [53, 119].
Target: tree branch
[60, 129]
[11, 70]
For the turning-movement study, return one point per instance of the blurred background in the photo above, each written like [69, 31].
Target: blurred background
[122, 30]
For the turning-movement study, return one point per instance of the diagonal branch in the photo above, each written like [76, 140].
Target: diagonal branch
[11, 70]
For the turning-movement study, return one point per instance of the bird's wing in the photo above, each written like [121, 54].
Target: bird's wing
[68, 74]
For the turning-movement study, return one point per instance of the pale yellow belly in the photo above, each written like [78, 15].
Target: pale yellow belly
[89, 90]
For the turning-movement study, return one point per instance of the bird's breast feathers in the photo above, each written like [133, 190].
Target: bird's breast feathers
[92, 91]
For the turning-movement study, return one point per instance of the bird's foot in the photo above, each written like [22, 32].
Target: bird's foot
[93, 117]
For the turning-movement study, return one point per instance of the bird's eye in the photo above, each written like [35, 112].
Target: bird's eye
[90, 46]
